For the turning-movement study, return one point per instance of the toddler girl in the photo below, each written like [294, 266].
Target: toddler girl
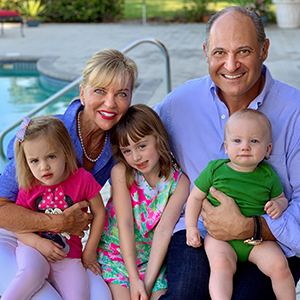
[50, 182]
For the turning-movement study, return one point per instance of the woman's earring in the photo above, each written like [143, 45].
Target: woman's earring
[82, 103]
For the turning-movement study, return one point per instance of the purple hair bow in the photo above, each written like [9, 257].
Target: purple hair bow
[20, 133]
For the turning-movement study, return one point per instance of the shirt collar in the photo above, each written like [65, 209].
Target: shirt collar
[269, 81]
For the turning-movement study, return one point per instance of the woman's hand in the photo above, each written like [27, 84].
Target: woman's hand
[89, 261]
[225, 222]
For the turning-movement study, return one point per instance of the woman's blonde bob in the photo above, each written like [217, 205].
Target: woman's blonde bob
[109, 67]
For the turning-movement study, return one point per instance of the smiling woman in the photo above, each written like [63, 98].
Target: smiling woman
[109, 63]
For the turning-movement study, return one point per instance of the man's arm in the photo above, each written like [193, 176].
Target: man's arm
[19, 219]
[226, 222]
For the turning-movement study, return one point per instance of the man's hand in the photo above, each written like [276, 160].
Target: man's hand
[75, 221]
[225, 222]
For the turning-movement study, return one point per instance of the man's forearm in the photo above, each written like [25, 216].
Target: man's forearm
[266, 233]
[248, 230]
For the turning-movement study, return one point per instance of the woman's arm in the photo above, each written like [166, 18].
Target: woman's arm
[164, 231]
[226, 222]
[89, 258]
[124, 215]
[19, 219]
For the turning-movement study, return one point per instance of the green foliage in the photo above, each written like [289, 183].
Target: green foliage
[261, 7]
[73, 10]
[11, 4]
[83, 10]
[195, 10]
[31, 9]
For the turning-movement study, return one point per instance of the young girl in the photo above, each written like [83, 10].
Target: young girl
[50, 182]
[149, 191]
[251, 183]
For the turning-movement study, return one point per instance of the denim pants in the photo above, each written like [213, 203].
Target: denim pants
[188, 275]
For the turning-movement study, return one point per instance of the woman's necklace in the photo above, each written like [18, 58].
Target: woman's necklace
[82, 145]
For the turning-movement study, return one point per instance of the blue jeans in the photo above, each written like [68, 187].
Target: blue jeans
[188, 275]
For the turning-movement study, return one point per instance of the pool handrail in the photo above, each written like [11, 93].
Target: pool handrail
[78, 81]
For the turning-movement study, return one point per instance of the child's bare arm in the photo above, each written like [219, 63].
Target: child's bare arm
[276, 206]
[164, 230]
[192, 212]
[89, 259]
[124, 215]
[46, 247]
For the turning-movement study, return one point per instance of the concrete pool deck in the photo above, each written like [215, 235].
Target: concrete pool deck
[68, 47]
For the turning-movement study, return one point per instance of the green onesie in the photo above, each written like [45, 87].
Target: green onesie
[250, 190]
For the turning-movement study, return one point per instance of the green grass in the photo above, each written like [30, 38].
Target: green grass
[163, 8]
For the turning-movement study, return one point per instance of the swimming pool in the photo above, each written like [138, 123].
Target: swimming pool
[22, 90]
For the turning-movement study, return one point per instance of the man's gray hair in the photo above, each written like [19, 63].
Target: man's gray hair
[256, 19]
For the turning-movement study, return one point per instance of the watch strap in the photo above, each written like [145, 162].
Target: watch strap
[256, 239]
[257, 228]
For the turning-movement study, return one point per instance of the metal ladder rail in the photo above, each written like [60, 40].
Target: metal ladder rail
[78, 81]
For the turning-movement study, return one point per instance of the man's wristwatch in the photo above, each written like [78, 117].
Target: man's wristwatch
[256, 239]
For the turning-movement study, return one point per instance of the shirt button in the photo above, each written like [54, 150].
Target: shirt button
[223, 117]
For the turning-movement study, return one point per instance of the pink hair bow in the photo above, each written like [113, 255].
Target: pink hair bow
[20, 133]
[53, 199]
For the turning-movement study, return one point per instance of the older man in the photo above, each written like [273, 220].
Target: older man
[195, 114]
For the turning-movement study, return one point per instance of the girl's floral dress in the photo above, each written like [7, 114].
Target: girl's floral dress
[148, 205]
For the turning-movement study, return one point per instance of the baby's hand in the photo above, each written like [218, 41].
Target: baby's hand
[89, 261]
[193, 237]
[273, 209]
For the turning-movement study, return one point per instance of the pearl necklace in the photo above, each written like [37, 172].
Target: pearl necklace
[82, 145]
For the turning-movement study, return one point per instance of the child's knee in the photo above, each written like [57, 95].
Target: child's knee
[224, 264]
[279, 268]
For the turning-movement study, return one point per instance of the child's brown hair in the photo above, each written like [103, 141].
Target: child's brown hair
[139, 121]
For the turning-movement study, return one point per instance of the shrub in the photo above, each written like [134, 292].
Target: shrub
[195, 10]
[76, 10]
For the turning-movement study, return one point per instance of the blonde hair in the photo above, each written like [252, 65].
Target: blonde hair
[56, 133]
[109, 67]
[139, 121]
[251, 114]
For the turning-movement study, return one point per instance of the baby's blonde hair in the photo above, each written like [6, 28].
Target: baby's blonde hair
[56, 133]
[251, 114]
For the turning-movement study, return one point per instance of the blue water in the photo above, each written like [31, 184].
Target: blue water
[21, 91]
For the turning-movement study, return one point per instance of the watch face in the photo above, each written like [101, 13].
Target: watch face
[253, 242]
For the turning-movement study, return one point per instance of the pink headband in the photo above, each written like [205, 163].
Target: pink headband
[20, 133]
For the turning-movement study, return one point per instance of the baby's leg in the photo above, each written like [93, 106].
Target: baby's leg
[222, 260]
[33, 270]
[70, 279]
[270, 259]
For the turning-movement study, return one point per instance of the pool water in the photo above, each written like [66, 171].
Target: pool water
[22, 91]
